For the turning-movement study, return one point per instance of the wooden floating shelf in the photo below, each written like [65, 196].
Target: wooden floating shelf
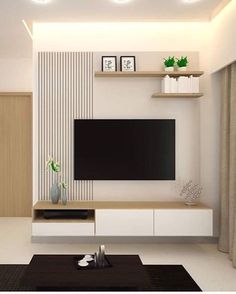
[177, 95]
[144, 74]
[71, 205]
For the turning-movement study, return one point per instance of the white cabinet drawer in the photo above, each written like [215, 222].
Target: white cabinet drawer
[124, 222]
[183, 222]
[62, 229]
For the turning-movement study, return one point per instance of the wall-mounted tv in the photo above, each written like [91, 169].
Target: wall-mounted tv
[124, 149]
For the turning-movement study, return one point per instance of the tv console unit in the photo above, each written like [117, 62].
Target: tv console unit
[111, 218]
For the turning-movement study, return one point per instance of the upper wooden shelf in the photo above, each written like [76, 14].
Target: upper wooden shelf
[44, 205]
[177, 95]
[140, 74]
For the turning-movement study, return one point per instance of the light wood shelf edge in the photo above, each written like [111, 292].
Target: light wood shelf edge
[148, 74]
[93, 205]
[177, 95]
[16, 93]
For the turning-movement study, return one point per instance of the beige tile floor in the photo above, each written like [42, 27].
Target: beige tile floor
[211, 269]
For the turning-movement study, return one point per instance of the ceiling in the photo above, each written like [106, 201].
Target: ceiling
[15, 42]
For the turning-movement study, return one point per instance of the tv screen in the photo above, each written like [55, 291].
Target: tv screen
[124, 149]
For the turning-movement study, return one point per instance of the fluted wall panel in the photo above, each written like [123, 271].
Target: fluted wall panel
[65, 93]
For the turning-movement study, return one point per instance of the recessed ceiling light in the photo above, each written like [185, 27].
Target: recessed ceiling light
[41, 1]
[121, 1]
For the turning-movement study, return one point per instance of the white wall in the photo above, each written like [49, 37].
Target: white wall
[120, 36]
[223, 41]
[16, 75]
[219, 51]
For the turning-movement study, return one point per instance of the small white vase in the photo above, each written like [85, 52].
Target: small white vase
[64, 198]
[183, 68]
[171, 68]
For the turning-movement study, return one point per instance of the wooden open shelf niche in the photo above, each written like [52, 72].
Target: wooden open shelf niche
[40, 207]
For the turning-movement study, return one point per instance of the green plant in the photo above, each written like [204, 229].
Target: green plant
[63, 185]
[55, 167]
[182, 62]
[169, 62]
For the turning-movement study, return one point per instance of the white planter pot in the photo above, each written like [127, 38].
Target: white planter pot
[169, 68]
[184, 68]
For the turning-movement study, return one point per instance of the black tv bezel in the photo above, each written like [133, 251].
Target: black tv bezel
[126, 119]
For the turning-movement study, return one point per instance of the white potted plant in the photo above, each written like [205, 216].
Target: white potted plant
[169, 63]
[182, 63]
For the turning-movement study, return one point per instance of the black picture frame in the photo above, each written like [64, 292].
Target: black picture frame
[115, 63]
[122, 68]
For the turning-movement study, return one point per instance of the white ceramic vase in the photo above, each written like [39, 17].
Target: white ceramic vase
[55, 193]
[171, 68]
[64, 198]
[183, 68]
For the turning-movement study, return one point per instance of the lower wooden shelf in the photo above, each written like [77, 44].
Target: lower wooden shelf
[177, 95]
[44, 205]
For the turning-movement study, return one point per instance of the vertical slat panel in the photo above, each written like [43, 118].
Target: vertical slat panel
[40, 105]
[65, 93]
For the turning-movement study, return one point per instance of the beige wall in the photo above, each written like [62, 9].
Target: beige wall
[16, 75]
[120, 36]
[223, 41]
[219, 51]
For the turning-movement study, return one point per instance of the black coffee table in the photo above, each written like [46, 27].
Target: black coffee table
[59, 272]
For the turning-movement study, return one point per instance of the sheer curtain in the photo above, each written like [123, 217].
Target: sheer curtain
[227, 240]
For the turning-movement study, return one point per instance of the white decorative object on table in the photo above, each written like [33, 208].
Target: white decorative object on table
[99, 257]
[88, 258]
[191, 192]
[83, 263]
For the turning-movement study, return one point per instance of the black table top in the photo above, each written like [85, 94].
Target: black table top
[60, 272]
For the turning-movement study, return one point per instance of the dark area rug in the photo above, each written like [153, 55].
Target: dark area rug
[163, 277]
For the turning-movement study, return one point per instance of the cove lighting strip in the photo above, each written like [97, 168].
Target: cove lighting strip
[27, 28]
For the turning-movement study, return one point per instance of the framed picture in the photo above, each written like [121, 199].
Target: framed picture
[109, 63]
[127, 63]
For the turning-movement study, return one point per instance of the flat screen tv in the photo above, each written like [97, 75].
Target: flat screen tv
[124, 149]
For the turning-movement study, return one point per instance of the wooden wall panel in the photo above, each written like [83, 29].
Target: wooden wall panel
[15, 155]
